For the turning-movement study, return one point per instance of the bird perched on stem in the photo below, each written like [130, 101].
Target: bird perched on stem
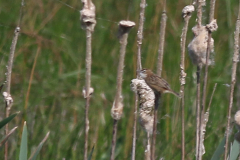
[156, 83]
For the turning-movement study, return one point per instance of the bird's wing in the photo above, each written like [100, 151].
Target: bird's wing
[163, 83]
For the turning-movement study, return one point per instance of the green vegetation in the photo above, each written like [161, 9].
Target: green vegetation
[55, 100]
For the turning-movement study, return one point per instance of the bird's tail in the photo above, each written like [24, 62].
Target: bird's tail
[173, 92]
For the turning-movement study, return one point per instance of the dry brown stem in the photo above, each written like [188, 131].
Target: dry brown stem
[162, 40]
[148, 148]
[7, 97]
[7, 136]
[31, 77]
[204, 121]
[154, 135]
[159, 72]
[87, 18]
[186, 13]
[117, 108]
[140, 34]
[139, 67]
[235, 60]
[198, 116]
[134, 128]
[212, 26]
[124, 27]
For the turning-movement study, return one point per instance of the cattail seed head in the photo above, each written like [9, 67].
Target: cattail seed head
[87, 15]
[197, 48]
[117, 110]
[146, 107]
[124, 27]
[187, 10]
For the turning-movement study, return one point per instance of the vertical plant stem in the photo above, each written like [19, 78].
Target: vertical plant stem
[134, 127]
[88, 22]
[157, 100]
[159, 73]
[140, 33]
[148, 148]
[123, 41]
[198, 111]
[182, 77]
[198, 116]
[183, 122]
[11, 57]
[211, 16]
[8, 85]
[124, 27]
[87, 87]
[115, 123]
[8, 77]
[31, 77]
[139, 67]
[199, 13]
[233, 80]
[210, 102]
[162, 40]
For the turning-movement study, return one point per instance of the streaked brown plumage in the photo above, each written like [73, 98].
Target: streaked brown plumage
[156, 83]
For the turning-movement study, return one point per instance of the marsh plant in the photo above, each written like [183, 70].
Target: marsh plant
[69, 78]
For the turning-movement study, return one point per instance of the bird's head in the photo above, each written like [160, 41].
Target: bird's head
[144, 73]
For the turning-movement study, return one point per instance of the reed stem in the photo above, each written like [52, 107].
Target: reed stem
[233, 81]
[211, 15]
[186, 15]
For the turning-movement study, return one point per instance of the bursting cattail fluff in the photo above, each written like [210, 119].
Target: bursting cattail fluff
[146, 107]
[197, 48]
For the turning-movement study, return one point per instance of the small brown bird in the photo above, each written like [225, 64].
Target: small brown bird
[156, 83]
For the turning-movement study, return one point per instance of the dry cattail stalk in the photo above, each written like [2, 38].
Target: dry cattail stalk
[139, 67]
[88, 22]
[7, 96]
[186, 14]
[235, 61]
[146, 107]
[124, 28]
[117, 108]
[197, 48]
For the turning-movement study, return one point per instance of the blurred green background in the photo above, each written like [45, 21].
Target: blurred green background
[55, 101]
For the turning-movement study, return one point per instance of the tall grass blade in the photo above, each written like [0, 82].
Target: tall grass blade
[6, 120]
[36, 152]
[234, 151]
[219, 151]
[23, 147]
[90, 156]
[6, 137]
